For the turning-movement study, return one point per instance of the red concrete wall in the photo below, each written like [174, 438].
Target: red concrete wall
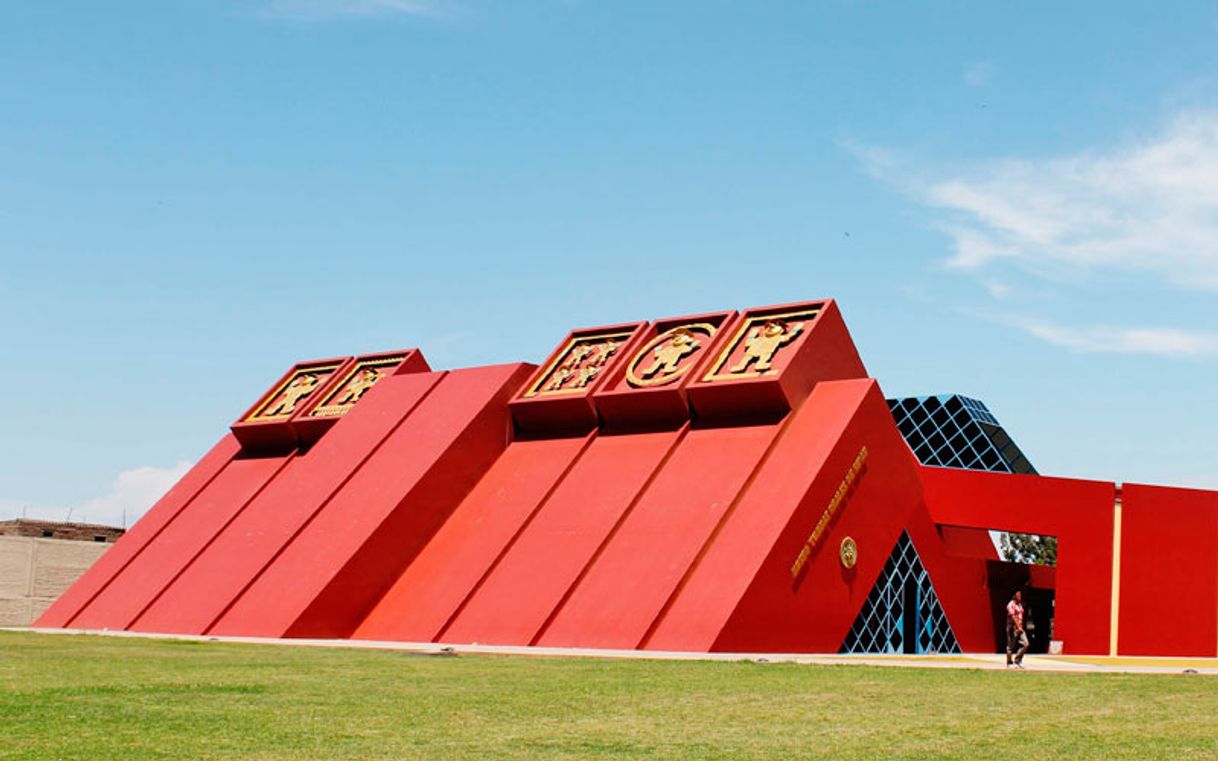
[333, 572]
[793, 485]
[968, 542]
[813, 611]
[431, 590]
[1078, 513]
[195, 526]
[1169, 572]
[197, 598]
[514, 603]
[134, 541]
[620, 597]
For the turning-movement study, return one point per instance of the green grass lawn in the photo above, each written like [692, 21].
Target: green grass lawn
[84, 697]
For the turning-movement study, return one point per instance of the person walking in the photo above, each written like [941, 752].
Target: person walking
[1017, 637]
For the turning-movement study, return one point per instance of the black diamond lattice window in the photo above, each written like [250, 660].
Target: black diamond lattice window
[957, 432]
[902, 613]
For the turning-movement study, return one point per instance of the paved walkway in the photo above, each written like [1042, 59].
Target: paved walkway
[986, 661]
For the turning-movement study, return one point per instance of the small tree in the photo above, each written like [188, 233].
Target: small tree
[1028, 548]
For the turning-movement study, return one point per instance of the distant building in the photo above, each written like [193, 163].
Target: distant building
[41, 559]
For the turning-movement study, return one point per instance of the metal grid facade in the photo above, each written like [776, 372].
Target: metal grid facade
[902, 614]
[954, 431]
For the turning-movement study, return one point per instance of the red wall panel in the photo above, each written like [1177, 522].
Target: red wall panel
[814, 611]
[449, 568]
[145, 530]
[1078, 513]
[620, 597]
[537, 571]
[968, 542]
[715, 586]
[960, 581]
[163, 559]
[194, 601]
[1169, 572]
[332, 573]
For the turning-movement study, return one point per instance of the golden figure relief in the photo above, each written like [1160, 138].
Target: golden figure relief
[299, 387]
[668, 353]
[763, 343]
[291, 393]
[600, 353]
[560, 376]
[758, 344]
[358, 382]
[568, 369]
[586, 375]
[358, 385]
[578, 366]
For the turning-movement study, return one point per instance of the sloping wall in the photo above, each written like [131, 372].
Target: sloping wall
[717, 482]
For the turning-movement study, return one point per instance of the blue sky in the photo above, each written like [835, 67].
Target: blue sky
[1018, 202]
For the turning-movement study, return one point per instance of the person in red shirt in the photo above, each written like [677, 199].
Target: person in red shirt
[1017, 638]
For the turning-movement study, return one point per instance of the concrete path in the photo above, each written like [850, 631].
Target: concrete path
[985, 661]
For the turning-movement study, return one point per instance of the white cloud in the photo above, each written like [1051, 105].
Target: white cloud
[1149, 208]
[1167, 342]
[997, 289]
[133, 490]
[1145, 212]
[320, 9]
[130, 495]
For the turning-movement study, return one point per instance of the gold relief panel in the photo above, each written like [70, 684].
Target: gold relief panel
[669, 355]
[580, 363]
[290, 394]
[358, 381]
[760, 342]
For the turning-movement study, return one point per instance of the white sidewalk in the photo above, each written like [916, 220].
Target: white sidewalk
[985, 661]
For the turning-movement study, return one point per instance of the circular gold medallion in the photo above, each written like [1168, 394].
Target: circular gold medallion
[669, 355]
[849, 553]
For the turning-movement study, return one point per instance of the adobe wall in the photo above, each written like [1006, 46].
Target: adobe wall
[35, 571]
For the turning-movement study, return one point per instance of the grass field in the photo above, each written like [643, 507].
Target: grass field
[84, 697]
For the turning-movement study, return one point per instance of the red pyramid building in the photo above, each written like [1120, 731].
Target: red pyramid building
[720, 482]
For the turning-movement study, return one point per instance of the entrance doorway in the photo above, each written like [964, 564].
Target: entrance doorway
[1038, 588]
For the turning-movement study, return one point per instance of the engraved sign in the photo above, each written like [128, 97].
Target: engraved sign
[839, 497]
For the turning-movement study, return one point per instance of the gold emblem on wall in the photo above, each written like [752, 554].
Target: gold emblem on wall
[360, 379]
[291, 393]
[849, 553]
[759, 342]
[580, 363]
[669, 355]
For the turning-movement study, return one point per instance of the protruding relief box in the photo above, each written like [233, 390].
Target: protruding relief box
[773, 358]
[648, 387]
[352, 383]
[267, 425]
[558, 397]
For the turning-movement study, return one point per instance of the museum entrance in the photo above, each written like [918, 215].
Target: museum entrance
[1037, 584]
